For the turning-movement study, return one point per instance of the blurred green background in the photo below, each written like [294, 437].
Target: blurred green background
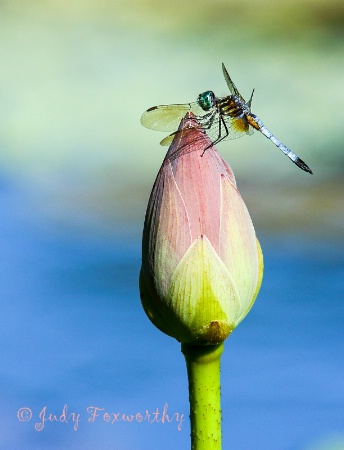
[76, 76]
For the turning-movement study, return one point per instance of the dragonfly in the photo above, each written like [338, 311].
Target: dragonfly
[221, 118]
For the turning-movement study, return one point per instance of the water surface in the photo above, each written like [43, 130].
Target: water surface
[73, 333]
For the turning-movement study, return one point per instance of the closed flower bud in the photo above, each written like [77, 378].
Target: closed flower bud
[202, 265]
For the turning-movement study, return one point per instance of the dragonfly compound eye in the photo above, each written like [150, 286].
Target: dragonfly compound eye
[206, 100]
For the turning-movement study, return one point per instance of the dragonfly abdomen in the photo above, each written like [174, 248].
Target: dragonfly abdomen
[256, 123]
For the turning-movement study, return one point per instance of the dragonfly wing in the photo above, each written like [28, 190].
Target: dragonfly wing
[250, 131]
[168, 117]
[228, 128]
[168, 139]
[231, 86]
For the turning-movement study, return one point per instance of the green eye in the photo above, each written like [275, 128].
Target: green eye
[206, 100]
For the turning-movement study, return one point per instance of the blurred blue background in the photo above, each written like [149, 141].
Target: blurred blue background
[76, 169]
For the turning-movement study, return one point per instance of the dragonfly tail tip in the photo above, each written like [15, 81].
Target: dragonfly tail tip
[303, 166]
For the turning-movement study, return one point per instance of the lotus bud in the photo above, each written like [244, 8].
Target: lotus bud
[202, 265]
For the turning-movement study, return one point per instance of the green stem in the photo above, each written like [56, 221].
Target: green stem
[203, 366]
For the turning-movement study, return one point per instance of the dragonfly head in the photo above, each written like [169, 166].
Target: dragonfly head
[206, 100]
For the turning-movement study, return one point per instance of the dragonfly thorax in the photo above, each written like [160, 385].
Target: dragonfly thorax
[230, 106]
[206, 100]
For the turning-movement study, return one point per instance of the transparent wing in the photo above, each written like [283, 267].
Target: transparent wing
[217, 130]
[168, 117]
[231, 86]
[168, 139]
[229, 128]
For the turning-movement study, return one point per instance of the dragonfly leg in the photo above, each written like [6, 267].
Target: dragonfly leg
[205, 116]
[209, 125]
[209, 122]
[220, 137]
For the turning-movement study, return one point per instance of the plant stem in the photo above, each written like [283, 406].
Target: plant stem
[203, 366]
